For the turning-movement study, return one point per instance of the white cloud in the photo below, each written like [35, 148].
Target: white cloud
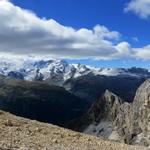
[4, 0]
[24, 33]
[124, 49]
[143, 53]
[103, 32]
[139, 7]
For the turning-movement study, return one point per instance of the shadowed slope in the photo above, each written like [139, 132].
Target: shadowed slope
[38, 100]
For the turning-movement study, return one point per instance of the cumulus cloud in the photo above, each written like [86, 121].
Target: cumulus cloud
[143, 53]
[139, 7]
[24, 33]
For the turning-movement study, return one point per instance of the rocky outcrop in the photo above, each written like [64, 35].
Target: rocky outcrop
[112, 118]
[141, 115]
[123, 122]
[106, 107]
[108, 117]
[135, 120]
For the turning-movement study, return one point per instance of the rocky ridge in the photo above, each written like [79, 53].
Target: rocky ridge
[84, 81]
[112, 118]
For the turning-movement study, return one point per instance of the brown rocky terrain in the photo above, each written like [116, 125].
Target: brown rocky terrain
[17, 133]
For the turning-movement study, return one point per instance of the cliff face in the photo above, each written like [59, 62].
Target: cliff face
[109, 105]
[141, 115]
[109, 118]
[135, 122]
[112, 118]
[19, 134]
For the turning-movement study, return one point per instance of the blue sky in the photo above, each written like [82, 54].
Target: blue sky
[133, 26]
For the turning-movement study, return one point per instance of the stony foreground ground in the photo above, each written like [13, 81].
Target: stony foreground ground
[22, 134]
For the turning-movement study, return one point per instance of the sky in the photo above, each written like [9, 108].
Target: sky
[103, 33]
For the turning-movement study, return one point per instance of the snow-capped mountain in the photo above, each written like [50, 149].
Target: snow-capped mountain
[58, 71]
[54, 71]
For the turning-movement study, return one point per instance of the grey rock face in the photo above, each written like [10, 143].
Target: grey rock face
[114, 119]
[106, 107]
[123, 123]
[141, 115]
[110, 117]
[103, 115]
[133, 122]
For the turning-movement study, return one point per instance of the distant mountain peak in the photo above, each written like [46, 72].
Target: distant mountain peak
[57, 71]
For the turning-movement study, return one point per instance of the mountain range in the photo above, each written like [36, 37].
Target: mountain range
[83, 81]
[59, 71]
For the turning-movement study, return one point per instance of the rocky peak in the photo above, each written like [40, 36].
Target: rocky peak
[103, 115]
[106, 107]
[112, 104]
[133, 120]
[112, 99]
